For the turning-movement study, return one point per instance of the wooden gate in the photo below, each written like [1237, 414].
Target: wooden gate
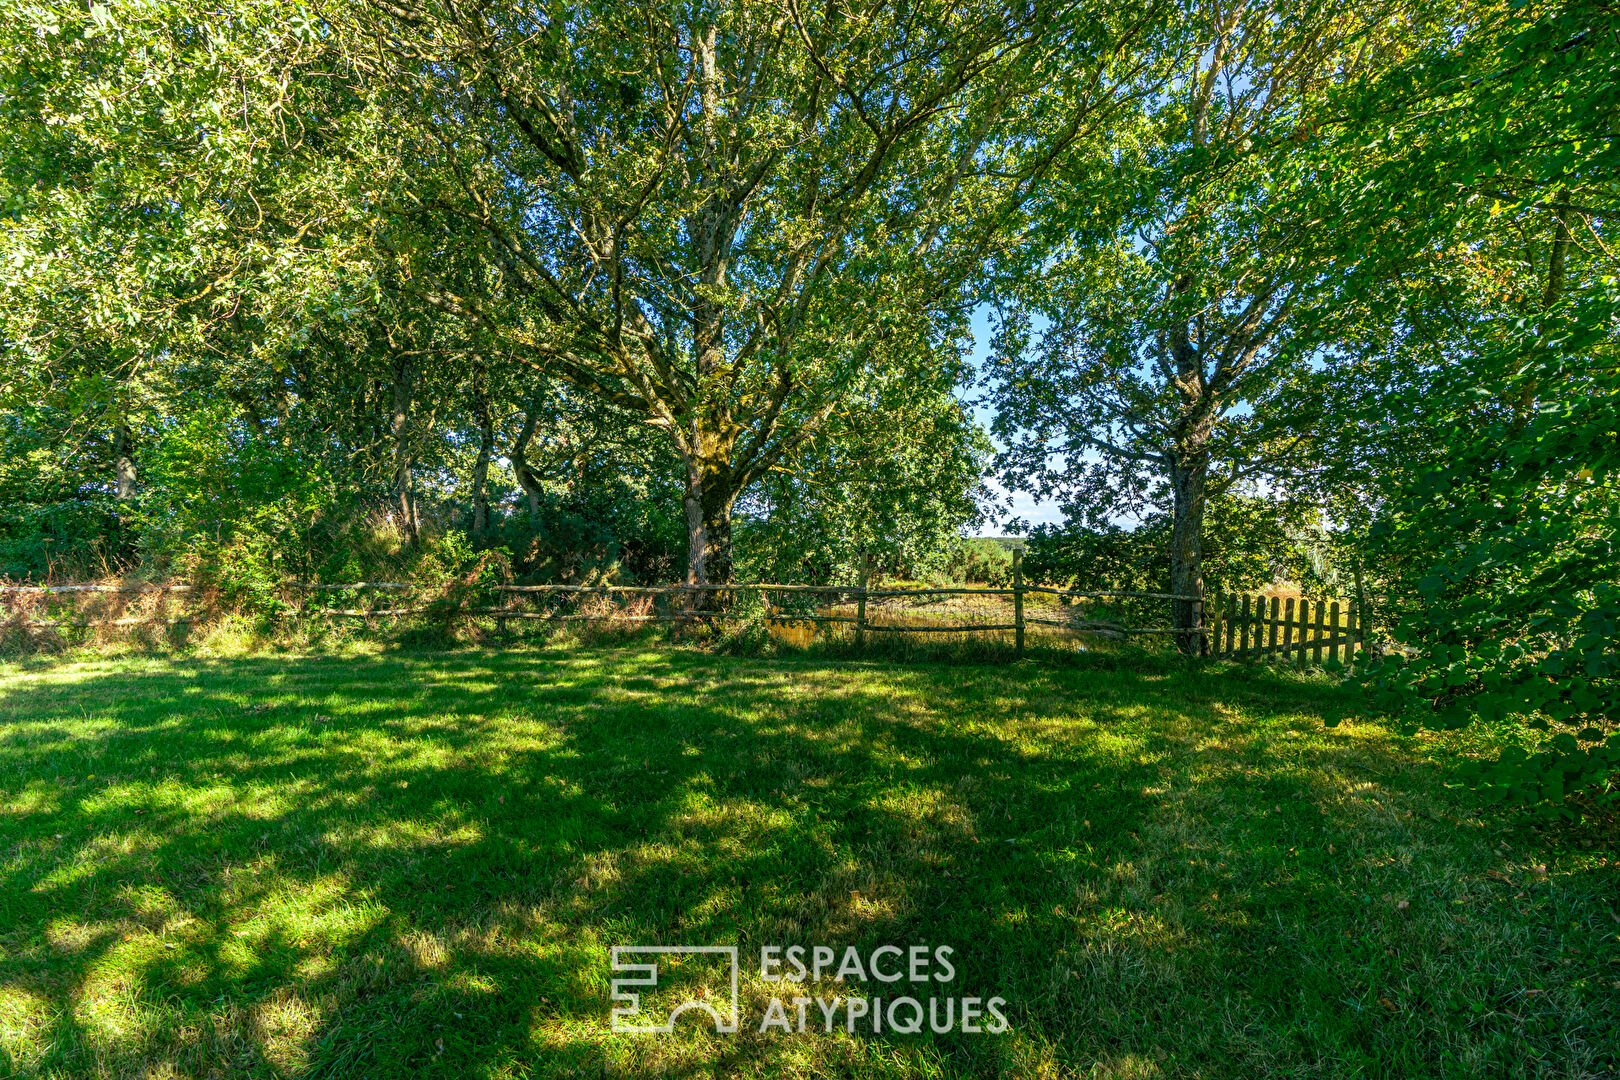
[1248, 627]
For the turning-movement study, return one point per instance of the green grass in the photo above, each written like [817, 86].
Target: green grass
[414, 864]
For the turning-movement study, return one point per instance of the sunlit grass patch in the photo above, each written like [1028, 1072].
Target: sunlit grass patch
[417, 864]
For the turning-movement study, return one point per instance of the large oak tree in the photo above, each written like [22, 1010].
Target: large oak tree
[723, 219]
[1165, 354]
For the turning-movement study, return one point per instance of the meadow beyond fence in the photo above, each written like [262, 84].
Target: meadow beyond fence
[1234, 626]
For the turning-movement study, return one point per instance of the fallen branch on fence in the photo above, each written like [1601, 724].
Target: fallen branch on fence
[610, 618]
[1091, 626]
[508, 613]
[542, 616]
[1086, 626]
[1082, 624]
[841, 589]
[103, 622]
[813, 618]
[355, 585]
[880, 594]
[852, 590]
[1170, 630]
[1097, 595]
[584, 588]
[672, 588]
[939, 629]
[742, 587]
[94, 588]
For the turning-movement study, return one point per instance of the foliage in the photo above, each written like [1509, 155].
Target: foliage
[68, 537]
[1496, 534]
[1249, 542]
[894, 480]
[605, 532]
[1165, 351]
[275, 213]
[1518, 611]
[372, 290]
[983, 562]
[210, 480]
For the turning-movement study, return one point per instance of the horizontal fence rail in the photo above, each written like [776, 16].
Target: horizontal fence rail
[46, 589]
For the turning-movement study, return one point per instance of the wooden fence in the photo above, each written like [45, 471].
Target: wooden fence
[1237, 627]
[777, 603]
[781, 604]
[1249, 627]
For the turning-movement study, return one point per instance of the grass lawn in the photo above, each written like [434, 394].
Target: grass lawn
[415, 863]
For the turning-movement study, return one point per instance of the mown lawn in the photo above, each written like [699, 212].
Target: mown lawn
[414, 864]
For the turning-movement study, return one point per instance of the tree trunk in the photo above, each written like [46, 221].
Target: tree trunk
[124, 462]
[480, 473]
[399, 425]
[709, 499]
[519, 458]
[711, 489]
[1525, 405]
[1188, 477]
[531, 491]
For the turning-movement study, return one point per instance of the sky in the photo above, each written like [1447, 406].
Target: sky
[1023, 505]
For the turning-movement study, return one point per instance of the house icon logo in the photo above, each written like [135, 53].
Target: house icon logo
[639, 964]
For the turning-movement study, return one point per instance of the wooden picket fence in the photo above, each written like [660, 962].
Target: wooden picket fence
[1249, 627]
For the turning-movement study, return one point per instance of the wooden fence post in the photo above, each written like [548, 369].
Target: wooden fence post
[1360, 618]
[1352, 634]
[1231, 623]
[1333, 635]
[1271, 633]
[1212, 623]
[1316, 637]
[1243, 627]
[1288, 628]
[1306, 633]
[1302, 632]
[1327, 630]
[1018, 600]
[860, 604]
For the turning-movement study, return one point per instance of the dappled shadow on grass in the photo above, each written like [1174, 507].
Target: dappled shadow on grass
[331, 866]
